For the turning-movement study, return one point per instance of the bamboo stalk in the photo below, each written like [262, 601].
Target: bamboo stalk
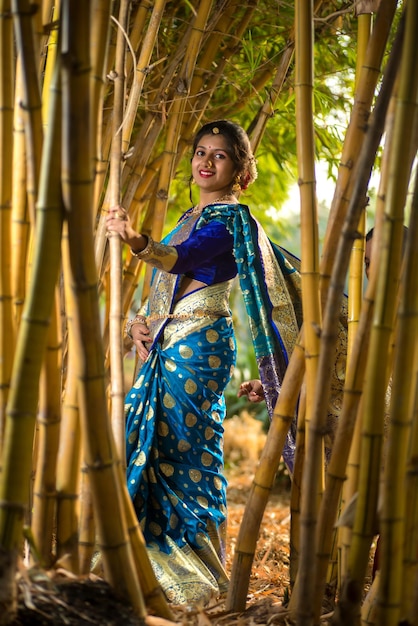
[263, 481]
[312, 479]
[21, 227]
[100, 53]
[6, 134]
[51, 45]
[296, 491]
[87, 528]
[355, 273]
[117, 394]
[49, 421]
[99, 450]
[44, 16]
[23, 20]
[68, 476]
[410, 570]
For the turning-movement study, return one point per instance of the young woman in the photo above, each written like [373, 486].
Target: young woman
[184, 336]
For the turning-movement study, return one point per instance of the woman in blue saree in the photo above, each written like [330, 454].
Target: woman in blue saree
[185, 339]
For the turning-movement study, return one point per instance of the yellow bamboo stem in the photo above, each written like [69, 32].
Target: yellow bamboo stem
[23, 19]
[98, 445]
[49, 420]
[117, 394]
[410, 569]
[21, 226]
[355, 274]
[263, 481]
[100, 53]
[296, 490]
[51, 46]
[312, 480]
[68, 477]
[6, 134]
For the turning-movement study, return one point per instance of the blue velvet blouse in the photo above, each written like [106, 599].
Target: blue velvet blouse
[207, 255]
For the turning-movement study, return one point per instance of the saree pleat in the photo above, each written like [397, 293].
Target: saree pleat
[174, 427]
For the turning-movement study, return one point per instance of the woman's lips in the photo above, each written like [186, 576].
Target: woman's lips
[205, 173]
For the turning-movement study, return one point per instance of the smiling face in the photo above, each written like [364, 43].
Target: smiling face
[212, 166]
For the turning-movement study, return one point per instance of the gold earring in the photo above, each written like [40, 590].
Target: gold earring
[237, 185]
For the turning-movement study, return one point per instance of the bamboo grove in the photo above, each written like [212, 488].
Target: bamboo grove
[99, 102]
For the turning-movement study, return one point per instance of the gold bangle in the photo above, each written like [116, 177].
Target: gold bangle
[147, 251]
[138, 319]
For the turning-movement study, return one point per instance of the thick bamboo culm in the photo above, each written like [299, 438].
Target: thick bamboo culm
[312, 478]
[49, 422]
[410, 571]
[296, 489]
[99, 450]
[22, 229]
[6, 124]
[117, 389]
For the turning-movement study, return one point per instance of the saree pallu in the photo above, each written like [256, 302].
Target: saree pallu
[174, 428]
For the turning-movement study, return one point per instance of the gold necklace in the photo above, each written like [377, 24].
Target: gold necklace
[196, 210]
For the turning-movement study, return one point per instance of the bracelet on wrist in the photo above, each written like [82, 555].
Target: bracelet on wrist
[138, 319]
[147, 251]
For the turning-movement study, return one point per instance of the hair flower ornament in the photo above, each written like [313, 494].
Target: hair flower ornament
[215, 130]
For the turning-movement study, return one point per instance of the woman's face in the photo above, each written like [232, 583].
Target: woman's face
[212, 167]
[368, 256]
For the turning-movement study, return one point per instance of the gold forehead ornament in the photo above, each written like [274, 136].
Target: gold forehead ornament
[215, 130]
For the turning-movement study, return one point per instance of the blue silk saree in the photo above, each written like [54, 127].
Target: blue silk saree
[176, 408]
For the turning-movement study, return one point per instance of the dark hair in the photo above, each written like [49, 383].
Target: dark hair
[369, 236]
[239, 148]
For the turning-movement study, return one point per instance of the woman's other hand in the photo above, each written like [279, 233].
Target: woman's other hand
[253, 389]
[141, 338]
